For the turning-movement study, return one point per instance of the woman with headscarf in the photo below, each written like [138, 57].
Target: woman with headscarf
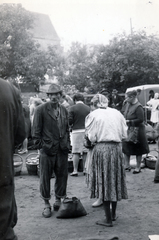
[106, 128]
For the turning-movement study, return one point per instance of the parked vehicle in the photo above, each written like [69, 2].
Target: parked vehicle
[144, 94]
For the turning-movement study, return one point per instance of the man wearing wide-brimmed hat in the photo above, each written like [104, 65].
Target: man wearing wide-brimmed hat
[51, 136]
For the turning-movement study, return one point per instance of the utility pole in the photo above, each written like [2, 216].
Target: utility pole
[131, 30]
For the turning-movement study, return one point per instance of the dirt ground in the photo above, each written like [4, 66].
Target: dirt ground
[138, 216]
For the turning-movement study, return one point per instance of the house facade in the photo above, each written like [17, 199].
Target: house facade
[43, 31]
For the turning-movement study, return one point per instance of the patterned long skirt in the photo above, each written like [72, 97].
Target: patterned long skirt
[107, 175]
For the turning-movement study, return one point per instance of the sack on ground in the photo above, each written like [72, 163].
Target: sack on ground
[71, 208]
[132, 134]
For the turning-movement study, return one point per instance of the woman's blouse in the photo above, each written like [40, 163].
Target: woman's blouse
[105, 125]
[154, 103]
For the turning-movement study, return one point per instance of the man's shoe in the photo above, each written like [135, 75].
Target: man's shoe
[57, 204]
[47, 212]
[97, 203]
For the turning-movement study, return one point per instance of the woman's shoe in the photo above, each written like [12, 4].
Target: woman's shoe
[114, 218]
[128, 169]
[97, 203]
[23, 152]
[74, 174]
[104, 223]
[136, 171]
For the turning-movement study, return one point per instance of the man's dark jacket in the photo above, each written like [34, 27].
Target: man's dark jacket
[12, 132]
[48, 133]
[117, 102]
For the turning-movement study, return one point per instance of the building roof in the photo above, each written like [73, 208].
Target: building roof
[43, 31]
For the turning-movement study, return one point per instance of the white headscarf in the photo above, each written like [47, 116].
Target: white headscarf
[100, 100]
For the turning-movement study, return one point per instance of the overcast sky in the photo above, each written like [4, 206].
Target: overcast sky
[96, 21]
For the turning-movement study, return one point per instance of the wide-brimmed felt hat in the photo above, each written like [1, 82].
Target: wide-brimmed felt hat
[54, 88]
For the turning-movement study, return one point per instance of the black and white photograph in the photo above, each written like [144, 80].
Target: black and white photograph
[79, 120]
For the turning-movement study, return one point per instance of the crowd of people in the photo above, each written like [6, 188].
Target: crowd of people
[113, 129]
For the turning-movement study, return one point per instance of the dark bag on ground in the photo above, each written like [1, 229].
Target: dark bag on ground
[132, 134]
[71, 208]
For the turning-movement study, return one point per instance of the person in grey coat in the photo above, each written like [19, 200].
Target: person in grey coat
[51, 137]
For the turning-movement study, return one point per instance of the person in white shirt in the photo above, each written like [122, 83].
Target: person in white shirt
[154, 104]
[106, 128]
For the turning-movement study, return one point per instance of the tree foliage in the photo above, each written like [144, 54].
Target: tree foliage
[79, 61]
[129, 60]
[20, 55]
[126, 61]
[56, 63]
